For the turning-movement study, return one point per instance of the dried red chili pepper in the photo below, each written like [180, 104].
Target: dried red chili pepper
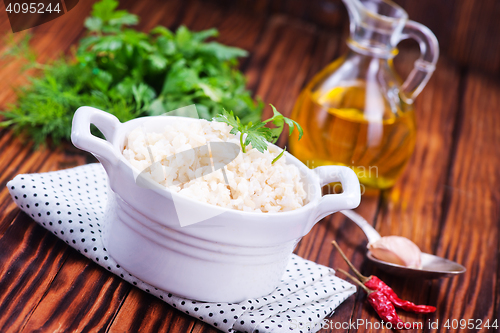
[374, 283]
[385, 309]
[380, 303]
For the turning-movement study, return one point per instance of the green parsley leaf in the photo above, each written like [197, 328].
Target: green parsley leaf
[130, 74]
[257, 134]
[279, 120]
[279, 156]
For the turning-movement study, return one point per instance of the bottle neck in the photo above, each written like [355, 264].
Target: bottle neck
[375, 36]
[372, 49]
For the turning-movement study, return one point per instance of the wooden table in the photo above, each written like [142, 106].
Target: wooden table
[447, 200]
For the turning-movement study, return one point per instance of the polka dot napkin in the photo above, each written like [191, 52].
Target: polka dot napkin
[70, 204]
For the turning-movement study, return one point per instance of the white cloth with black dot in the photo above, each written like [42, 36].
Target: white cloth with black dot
[70, 204]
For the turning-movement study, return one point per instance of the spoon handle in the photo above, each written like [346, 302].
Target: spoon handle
[369, 231]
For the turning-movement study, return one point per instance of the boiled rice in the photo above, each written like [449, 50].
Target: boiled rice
[256, 185]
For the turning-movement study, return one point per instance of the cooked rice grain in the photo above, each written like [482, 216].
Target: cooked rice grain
[257, 185]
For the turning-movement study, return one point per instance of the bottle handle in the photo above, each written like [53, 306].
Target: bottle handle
[425, 64]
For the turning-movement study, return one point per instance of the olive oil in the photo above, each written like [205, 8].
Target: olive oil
[351, 126]
[357, 111]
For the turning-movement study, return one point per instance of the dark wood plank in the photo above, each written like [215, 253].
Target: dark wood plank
[22, 158]
[236, 27]
[414, 205]
[200, 327]
[463, 29]
[142, 312]
[24, 245]
[325, 50]
[82, 298]
[17, 157]
[4, 23]
[280, 63]
[471, 43]
[156, 12]
[324, 13]
[30, 258]
[49, 41]
[469, 230]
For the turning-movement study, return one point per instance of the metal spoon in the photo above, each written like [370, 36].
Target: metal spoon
[433, 267]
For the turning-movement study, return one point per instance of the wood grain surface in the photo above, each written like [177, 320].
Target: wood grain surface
[447, 201]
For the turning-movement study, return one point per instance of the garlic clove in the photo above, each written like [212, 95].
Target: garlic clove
[397, 250]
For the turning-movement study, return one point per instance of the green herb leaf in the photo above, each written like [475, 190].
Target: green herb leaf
[230, 119]
[222, 52]
[104, 9]
[279, 156]
[93, 23]
[129, 74]
[279, 120]
[257, 134]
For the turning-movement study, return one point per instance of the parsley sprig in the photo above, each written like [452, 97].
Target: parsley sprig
[258, 135]
[129, 73]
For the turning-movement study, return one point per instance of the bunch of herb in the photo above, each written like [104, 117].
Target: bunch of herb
[257, 134]
[129, 74]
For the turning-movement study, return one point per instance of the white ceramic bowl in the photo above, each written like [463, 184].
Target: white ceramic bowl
[230, 257]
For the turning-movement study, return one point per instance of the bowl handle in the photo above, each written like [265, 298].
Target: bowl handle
[83, 139]
[348, 199]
